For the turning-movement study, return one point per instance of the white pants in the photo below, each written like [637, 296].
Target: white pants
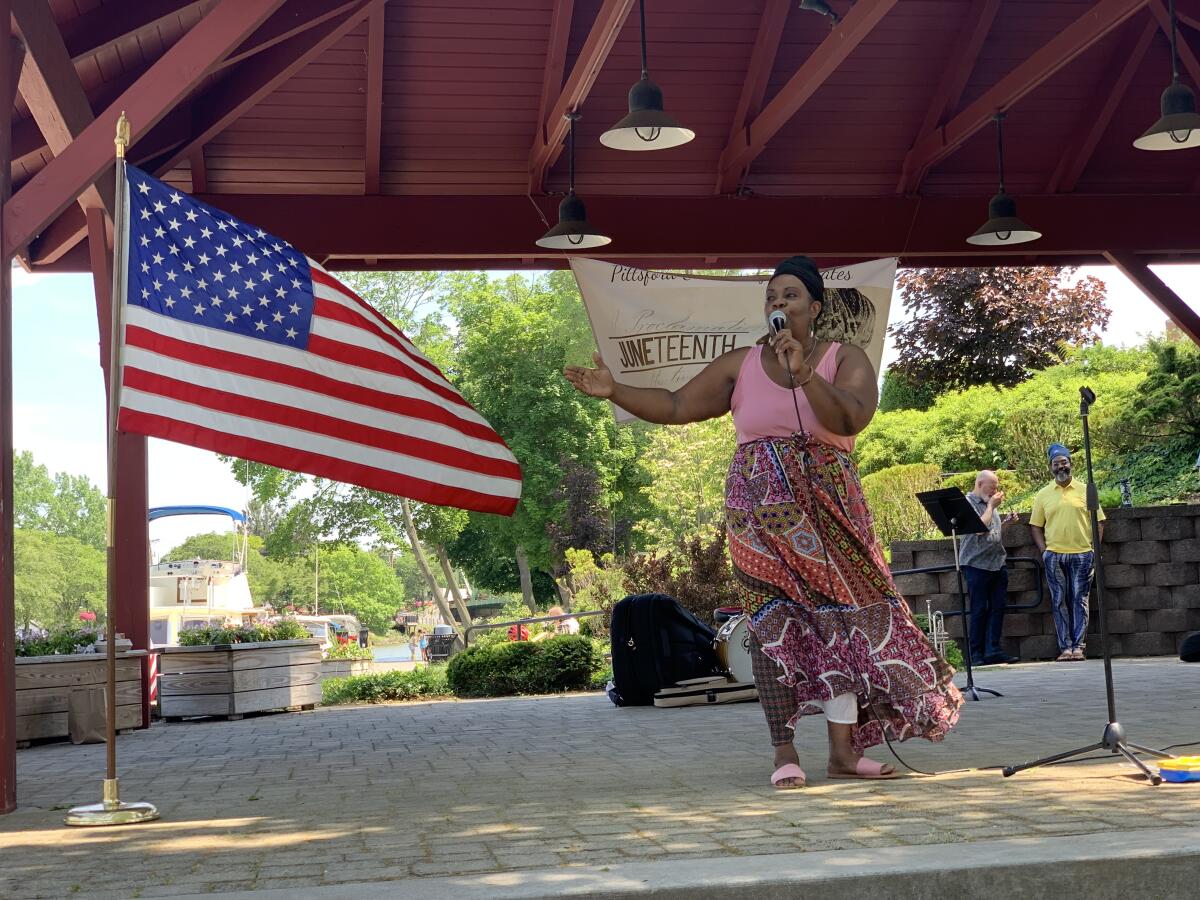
[842, 709]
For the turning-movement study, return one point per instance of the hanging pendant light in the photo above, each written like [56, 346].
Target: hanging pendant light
[1179, 126]
[573, 231]
[1002, 227]
[820, 6]
[646, 127]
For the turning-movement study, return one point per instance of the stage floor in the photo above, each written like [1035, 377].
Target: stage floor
[420, 791]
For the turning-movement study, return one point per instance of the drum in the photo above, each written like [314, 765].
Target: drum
[732, 644]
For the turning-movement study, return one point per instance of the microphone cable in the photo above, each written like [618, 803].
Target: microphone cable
[812, 498]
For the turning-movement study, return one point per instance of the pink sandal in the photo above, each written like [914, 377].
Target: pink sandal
[788, 771]
[868, 770]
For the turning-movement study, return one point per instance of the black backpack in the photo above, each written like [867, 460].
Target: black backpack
[655, 643]
[1189, 650]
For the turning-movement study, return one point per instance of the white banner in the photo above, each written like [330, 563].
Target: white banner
[659, 329]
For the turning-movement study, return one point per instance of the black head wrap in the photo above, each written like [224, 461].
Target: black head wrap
[806, 270]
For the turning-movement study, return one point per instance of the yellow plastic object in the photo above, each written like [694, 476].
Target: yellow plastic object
[1180, 769]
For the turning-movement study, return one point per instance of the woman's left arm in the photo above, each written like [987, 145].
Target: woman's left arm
[847, 405]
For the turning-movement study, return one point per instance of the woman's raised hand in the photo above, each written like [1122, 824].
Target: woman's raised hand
[597, 382]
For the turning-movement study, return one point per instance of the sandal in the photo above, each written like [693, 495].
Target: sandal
[791, 773]
[867, 770]
[1066, 656]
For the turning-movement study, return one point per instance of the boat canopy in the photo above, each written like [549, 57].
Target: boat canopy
[162, 512]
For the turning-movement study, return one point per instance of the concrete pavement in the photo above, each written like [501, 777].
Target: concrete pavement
[564, 794]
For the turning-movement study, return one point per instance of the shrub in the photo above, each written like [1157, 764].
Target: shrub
[428, 682]
[562, 663]
[58, 641]
[349, 650]
[898, 514]
[901, 392]
[278, 630]
[696, 573]
[595, 587]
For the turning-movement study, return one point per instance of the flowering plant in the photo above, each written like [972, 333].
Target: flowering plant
[34, 641]
[87, 616]
[283, 629]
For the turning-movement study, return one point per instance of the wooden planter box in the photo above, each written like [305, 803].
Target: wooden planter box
[234, 679]
[343, 668]
[44, 685]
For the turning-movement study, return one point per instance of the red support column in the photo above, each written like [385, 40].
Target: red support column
[11, 52]
[131, 606]
[1157, 290]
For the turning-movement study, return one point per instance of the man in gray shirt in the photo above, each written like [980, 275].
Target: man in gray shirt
[983, 559]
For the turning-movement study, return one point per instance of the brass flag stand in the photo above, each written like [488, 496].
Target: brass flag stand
[111, 810]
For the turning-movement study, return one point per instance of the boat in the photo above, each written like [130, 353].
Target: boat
[195, 592]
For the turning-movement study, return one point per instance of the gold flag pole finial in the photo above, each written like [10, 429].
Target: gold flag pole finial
[111, 810]
[122, 138]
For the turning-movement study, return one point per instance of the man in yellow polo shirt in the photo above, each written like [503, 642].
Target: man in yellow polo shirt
[1062, 530]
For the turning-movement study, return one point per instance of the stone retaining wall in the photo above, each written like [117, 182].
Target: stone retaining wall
[1153, 584]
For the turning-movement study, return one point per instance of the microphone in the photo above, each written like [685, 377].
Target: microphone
[777, 321]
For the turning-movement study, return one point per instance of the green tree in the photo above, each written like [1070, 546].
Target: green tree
[64, 504]
[992, 326]
[901, 392]
[515, 336]
[1169, 398]
[56, 577]
[360, 584]
[687, 466]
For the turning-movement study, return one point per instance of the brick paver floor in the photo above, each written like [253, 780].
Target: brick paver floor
[377, 793]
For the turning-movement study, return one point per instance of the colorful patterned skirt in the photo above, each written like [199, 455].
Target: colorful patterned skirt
[819, 594]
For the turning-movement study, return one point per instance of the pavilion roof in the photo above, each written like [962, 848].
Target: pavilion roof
[428, 133]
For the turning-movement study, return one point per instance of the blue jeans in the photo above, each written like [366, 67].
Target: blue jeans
[1069, 577]
[989, 594]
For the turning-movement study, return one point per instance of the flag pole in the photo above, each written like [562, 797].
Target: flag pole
[111, 811]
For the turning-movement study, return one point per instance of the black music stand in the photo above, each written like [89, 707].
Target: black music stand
[953, 514]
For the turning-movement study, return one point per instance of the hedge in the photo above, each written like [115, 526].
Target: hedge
[562, 663]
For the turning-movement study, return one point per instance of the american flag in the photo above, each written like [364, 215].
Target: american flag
[238, 343]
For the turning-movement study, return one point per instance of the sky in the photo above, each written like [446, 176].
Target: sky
[59, 408]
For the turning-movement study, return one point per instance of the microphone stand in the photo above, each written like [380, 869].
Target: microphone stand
[1113, 738]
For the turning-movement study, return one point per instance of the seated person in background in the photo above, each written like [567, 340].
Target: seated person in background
[984, 565]
[562, 626]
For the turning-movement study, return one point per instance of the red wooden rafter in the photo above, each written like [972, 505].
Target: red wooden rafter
[749, 142]
[102, 27]
[950, 87]
[242, 88]
[556, 59]
[296, 17]
[548, 142]
[1065, 46]
[51, 88]
[1135, 40]
[165, 83]
[373, 148]
[762, 61]
[497, 227]
[1157, 290]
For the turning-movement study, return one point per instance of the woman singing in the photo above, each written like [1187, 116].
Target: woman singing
[829, 630]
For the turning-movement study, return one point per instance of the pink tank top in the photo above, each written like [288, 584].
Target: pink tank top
[761, 408]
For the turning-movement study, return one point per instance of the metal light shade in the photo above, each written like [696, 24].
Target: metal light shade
[646, 127]
[573, 231]
[1003, 227]
[1179, 127]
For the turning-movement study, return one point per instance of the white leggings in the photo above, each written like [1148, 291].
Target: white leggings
[842, 709]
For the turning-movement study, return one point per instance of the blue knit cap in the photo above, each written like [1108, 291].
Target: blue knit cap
[1056, 450]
